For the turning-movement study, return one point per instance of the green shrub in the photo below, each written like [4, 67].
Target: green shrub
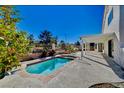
[69, 48]
[14, 43]
[52, 52]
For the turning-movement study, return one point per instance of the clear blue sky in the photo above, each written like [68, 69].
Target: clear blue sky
[66, 22]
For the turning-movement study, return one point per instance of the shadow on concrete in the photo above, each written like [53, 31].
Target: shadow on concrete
[83, 62]
[96, 61]
[94, 56]
[117, 69]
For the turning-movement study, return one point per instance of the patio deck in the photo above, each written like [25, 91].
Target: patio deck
[82, 73]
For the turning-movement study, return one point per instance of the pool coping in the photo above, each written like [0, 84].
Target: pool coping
[46, 60]
[42, 78]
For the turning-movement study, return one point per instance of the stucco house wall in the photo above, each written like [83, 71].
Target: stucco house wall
[112, 29]
[122, 26]
[117, 27]
[114, 25]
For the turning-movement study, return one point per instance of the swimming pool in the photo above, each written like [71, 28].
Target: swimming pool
[48, 66]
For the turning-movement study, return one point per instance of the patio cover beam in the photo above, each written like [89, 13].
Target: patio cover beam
[100, 38]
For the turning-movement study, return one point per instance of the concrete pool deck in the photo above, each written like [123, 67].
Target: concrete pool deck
[92, 69]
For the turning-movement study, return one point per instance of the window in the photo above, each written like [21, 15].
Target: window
[110, 17]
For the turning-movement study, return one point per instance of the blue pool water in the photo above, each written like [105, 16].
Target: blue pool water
[47, 67]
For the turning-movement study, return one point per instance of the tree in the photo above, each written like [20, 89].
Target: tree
[53, 42]
[62, 44]
[14, 43]
[77, 43]
[45, 38]
[9, 18]
[31, 39]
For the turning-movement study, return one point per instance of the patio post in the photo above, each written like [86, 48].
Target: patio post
[97, 47]
[86, 44]
[82, 49]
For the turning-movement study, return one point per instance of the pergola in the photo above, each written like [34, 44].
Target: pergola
[100, 38]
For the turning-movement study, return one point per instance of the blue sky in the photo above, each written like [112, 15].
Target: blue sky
[68, 23]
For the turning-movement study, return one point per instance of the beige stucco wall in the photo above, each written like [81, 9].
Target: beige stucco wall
[122, 26]
[116, 27]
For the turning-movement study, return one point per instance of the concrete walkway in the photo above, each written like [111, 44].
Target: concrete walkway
[82, 73]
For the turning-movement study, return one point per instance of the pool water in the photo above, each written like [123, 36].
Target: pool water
[47, 67]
